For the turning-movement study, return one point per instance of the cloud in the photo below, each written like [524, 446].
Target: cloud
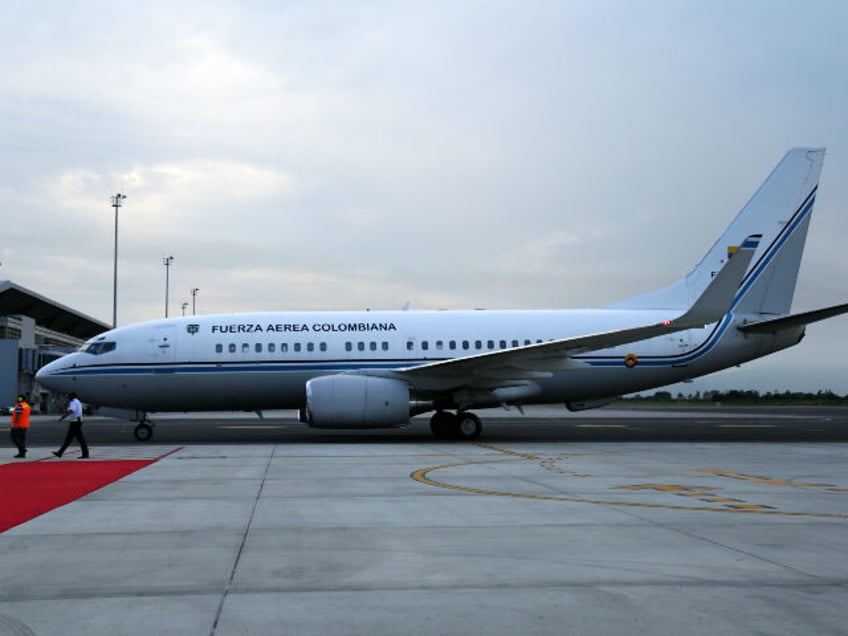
[330, 155]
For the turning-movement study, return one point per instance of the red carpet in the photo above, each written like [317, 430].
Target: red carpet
[29, 489]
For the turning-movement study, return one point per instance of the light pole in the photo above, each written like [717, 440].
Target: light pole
[167, 262]
[194, 300]
[117, 200]
[185, 304]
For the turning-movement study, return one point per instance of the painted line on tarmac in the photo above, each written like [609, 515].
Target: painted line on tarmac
[257, 427]
[748, 426]
[423, 476]
[503, 451]
[620, 426]
[768, 481]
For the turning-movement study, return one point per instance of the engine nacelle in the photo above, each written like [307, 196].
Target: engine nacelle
[356, 401]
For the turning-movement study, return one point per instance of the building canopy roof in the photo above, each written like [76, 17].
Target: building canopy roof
[17, 300]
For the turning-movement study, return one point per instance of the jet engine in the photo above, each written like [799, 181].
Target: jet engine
[356, 401]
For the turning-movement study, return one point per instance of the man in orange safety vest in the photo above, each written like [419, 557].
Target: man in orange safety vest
[20, 425]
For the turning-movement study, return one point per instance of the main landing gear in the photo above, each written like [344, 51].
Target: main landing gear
[462, 425]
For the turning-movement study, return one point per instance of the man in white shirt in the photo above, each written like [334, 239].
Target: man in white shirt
[74, 412]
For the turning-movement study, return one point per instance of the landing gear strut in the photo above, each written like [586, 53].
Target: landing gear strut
[144, 429]
[463, 425]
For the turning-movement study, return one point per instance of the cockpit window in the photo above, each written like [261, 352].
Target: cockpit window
[98, 347]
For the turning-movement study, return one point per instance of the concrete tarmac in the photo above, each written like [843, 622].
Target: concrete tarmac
[711, 521]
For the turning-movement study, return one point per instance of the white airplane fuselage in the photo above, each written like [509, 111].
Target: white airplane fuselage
[263, 360]
[374, 369]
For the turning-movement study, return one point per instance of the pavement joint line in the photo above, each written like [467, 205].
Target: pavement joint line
[243, 543]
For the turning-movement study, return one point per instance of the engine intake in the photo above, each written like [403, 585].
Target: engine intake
[356, 401]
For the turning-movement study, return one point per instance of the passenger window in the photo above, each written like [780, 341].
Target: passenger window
[323, 346]
[284, 347]
[232, 347]
[439, 345]
[526, 342]
[452, 345]
[297, 347]
[271, 347]
[425, 345]
[372, 345]
[410, 345]
[360, 346]
[385, 346]
[310, 346]
[219, 348]
[515, 343]
[348, 346]
[245, 348]
[258, 347]
[478, 344]
[491, 344]
[465, 344]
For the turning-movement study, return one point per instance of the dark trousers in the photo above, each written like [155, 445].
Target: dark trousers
[19, 439]
[75, 430]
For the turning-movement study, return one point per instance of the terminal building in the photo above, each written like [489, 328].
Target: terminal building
[35, 330]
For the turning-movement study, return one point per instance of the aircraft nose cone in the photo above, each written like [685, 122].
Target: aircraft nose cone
[48, 376]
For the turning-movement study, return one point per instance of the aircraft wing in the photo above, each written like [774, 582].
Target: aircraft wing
[529, 361]
[795, 320]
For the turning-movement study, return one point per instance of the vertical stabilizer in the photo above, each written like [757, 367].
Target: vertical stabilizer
[780, 211]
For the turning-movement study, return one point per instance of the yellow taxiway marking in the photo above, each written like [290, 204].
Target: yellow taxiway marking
[675, 488]
[548, 464]
[504, 451]
[424, 476]
[704, 493]
[762, 480]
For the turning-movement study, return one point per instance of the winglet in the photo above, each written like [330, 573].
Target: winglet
[717, 298]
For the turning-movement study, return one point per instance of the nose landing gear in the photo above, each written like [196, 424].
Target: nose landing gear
[144, 429]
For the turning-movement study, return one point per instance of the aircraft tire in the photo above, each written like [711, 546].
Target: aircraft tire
[443, 424]
[143, 432]
[468, 426]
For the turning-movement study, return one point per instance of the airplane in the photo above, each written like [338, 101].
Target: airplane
[377, 369]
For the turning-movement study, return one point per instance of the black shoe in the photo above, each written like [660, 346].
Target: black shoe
[57, 453]
[20, 455]
[83, 456]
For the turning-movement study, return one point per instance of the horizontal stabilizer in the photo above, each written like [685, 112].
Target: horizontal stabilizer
[795, 320]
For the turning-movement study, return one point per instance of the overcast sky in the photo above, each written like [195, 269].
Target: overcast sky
[453, 154]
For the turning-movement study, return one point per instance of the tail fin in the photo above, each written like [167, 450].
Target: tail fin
[780, 210]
